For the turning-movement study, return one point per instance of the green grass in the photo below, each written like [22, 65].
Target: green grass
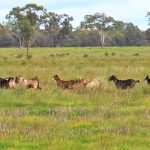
[55, 119]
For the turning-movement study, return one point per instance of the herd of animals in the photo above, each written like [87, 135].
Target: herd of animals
[12, 82]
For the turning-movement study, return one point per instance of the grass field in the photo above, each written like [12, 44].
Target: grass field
[55, 119]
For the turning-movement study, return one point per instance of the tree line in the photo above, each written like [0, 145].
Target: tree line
[33, 25]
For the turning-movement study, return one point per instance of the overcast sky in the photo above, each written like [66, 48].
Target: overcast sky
[125, 10]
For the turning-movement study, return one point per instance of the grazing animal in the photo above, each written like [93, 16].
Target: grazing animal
[7, 82]
[123, 84]
[19, 80]
[80, 84]
[147, 79]
[32, 83]
[64, 84]
[93, 84]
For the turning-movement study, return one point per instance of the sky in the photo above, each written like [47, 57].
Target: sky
[134, 11]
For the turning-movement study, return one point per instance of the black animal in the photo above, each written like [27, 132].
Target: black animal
[147, 79]
[123, 84]
[7, 82]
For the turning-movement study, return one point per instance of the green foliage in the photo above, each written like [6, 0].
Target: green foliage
[106, 54]
[33, 25]
[19, 56]
[113, 54]
[24, 21]
[136, 54]
[85, 55]
[29, 56]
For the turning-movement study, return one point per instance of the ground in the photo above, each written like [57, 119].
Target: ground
[55, 119]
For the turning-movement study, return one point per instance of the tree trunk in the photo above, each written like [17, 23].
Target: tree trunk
[102, 38]
[52, 42]
[28, 46]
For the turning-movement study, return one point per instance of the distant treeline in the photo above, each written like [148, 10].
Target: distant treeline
[34, 26]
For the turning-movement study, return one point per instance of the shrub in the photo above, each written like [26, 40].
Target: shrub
[85, 55]
[113, 54]
[29, 57]
[106, 54]
[19, 56]
[23, 63]
[136, 54]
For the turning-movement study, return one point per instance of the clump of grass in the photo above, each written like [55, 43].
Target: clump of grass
[29, 57]
[85, 55]
[113, 54]
[4, 57]
[61, 55]
[145, 90]
[23, 63]
[106, 54]
[136, 54]
[19, 56]
[51, 55]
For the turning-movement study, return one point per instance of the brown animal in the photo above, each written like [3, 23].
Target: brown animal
[32, 83]
[64, 84]
[81, 84]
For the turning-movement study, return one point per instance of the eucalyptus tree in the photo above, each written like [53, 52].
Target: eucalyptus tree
[24, 21]
[99, 22]
[65, 27]
[50, 22]
[2, 30]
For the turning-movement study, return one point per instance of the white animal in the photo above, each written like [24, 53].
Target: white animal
[95, 83]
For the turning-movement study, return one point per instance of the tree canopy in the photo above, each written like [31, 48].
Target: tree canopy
[32, 25]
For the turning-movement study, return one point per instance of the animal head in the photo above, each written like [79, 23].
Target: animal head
[11, 82]
[146, 78]
[137, 81]
[19, 79]
[82, 80]
[112, 78]
[55, 77]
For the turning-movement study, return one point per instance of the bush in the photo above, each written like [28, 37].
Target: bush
[136, 54]
[106, 54]
[29, 57]
[23, 63]
[113, 54]
[19, 56]
[85, 55]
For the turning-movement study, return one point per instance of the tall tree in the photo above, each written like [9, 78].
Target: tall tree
[2, 30]
[51, 24]
[133, 35]
[65, 27]
[24, 22]
[99, 22]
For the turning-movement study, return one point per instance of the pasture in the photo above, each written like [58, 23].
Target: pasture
[56, 119]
